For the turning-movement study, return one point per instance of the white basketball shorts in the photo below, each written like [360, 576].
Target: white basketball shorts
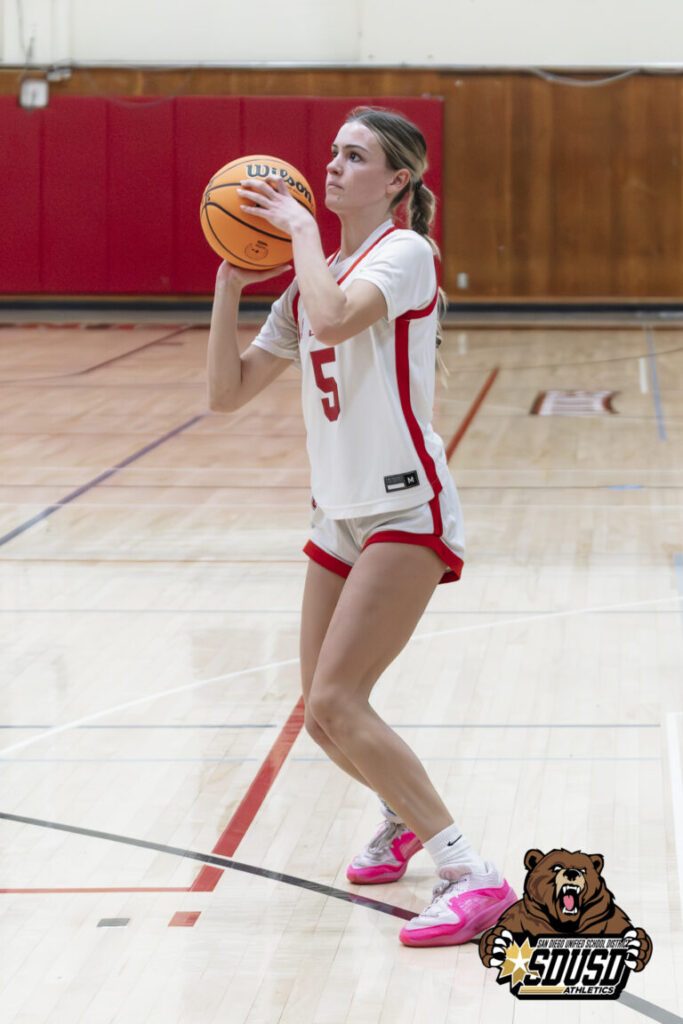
[336, 543]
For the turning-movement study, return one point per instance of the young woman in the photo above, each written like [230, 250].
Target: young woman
[386, 520]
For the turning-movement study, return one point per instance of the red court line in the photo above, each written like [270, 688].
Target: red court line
[236, 829]
[462, 429]
[184, 919]
[183, 888]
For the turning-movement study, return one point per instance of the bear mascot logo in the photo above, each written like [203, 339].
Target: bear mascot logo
[566, 936]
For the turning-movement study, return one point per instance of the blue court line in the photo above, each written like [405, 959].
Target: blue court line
[97, 480]
[659, 411]
[295, 760]
[132, 760]
[540, 758]
[393, 725]
[297, 611]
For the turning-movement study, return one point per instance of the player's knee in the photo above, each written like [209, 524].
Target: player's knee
[329, 708]
[313, 727]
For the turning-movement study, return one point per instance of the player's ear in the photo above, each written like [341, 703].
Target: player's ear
[399, 181]
[532, 858]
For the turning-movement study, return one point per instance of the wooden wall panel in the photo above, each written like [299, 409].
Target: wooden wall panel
[551, 191]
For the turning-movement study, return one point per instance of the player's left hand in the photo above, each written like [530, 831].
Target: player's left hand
[273, 202]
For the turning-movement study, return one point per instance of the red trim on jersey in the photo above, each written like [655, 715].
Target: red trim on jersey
[364, 254]
[327, 560]
[417, 314]
[295, 312]
[402, 342]
[425, 540]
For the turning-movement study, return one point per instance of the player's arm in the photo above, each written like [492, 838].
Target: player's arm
[333, 313]
[234, 379]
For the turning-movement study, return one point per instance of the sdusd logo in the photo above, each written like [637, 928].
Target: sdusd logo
[566, 937]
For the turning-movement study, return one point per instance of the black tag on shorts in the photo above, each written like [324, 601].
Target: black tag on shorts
[401, 481]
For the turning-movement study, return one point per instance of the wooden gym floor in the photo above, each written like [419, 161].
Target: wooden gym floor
[151, 576]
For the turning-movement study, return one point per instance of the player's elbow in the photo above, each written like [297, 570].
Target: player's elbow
[330, 324]
[224, 401]
[330, 334]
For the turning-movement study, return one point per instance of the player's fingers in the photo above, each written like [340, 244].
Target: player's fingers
[279, 186]
[252, 187]
[255, 211]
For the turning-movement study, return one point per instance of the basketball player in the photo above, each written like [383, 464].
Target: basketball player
[386, 520]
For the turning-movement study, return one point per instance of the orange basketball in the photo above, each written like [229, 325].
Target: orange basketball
[237, 237]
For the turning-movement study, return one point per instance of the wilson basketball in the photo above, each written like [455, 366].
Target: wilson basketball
[233, 234]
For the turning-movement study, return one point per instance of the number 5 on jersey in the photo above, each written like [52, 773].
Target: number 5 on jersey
[331, 406]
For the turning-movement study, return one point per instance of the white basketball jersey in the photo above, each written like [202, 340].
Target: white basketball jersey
[368, 401]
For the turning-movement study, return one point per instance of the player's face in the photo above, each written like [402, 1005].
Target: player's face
[357, 175]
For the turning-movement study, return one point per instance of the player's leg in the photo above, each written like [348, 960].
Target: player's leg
[386, 856]
[375, 615]
[321, 594]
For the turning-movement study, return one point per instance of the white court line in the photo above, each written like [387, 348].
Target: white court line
[297, 506]
[293, 661]
[642, 373]
[144, 700]
[676, 771]
[544, 616]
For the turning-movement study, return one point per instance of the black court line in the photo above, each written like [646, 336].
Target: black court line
[98, 480]
[642, 1006]
[221, 862]
[131, 352]
[650, 1010]
[97, 366]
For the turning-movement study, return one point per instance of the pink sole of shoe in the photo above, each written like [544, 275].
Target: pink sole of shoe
[382, 874]
[471, 928]
[375, 876]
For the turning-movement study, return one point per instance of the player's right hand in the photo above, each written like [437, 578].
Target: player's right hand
[227, 273]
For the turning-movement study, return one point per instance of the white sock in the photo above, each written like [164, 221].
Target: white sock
[451, 852]
[389, 814]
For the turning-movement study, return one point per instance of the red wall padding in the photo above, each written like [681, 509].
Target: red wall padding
[20, 198]
[74, 192]
[101, 196]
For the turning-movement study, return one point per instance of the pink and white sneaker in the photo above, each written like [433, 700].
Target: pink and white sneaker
[460, 910]
[386, 857]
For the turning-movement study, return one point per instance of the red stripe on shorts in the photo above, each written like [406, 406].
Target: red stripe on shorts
[327, 560]
[425, 540]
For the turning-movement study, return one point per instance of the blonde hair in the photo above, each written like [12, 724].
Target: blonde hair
[404, 146]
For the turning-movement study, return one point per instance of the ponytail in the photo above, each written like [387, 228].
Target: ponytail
[421, 213]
